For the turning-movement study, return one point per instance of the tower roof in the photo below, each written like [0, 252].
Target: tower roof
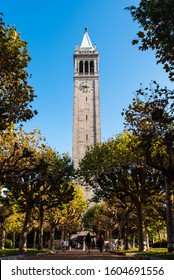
[86, 42]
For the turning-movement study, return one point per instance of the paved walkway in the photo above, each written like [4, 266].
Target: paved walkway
[80, 255]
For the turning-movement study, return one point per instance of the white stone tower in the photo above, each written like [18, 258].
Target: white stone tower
[86, 117]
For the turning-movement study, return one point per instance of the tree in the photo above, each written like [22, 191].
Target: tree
[13, 150]
[73, 212]
[121, 218]
[24, 163]
[150, 117]
[108, 217]
[67, 216]
[13, 224]
[117, 168]
[15, 147]
[99, 219]
[59, 190]
[15, 92]
[157, 213]
[5, 212]
[33, 175]
[156, 18]
[91, 219]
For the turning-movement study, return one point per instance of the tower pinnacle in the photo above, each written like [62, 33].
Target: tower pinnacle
[86, 42]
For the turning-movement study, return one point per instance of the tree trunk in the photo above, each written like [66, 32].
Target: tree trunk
[52, 233]
[14, 239]
[34, 239]
[133, 241]
[2, 237]
[141, 228]
[41, 229]
[147, 237]
[119, 231]
[62, 235]
[170, 214]
[110, 231]
[126, 232]
[25, 230]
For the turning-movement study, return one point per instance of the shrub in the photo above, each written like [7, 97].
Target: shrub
[162, 244]
[8, 244]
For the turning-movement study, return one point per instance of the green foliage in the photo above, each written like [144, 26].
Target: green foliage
[23, 164]
[160, 253]
[162, 244]
[156, 18]
[150, 117]
[59, 180]
[106, 217]
[116, 167]
[15, 252]
[67, 216]
[15, 92]
[92, 219]
[8, 244]
[14, 222]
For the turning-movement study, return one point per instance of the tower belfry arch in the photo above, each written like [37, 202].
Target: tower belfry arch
[86, 113]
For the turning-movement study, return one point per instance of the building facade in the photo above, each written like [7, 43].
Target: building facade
[86, 115]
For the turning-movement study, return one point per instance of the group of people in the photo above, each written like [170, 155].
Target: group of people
[88, 242]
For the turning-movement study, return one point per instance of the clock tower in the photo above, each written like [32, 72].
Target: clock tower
[86, 116]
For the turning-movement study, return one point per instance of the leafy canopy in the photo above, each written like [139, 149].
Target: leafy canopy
[15, 92]
[156, 18]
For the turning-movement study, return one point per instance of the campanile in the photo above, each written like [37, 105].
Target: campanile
[86, 114]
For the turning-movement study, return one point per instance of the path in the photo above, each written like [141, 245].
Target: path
[80, 255]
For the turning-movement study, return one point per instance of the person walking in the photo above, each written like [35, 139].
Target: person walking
[100, 242]
[88, 242]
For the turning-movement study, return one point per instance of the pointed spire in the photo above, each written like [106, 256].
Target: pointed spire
[86, 42]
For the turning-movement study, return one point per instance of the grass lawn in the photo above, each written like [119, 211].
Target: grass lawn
[159, 253]
[153, 252]
[14, 252]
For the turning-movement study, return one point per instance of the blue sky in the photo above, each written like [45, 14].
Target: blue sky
[52, 29]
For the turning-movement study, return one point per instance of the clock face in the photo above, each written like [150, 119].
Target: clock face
[85, 86]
